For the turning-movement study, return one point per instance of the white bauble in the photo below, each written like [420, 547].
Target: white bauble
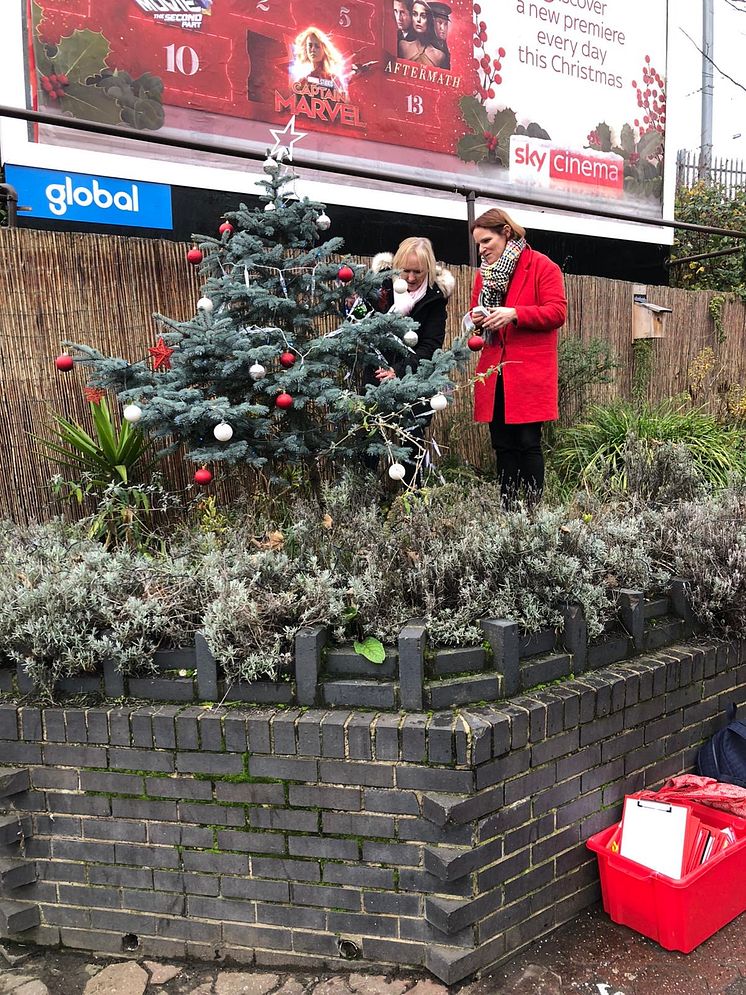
[400, 285]
[257, 371]
[411, 338]
[438, 402]
[397, 471]
[270, 164]
[205, 304]
[269, 207]
[323, 221]
[132, 413]
[223, 432]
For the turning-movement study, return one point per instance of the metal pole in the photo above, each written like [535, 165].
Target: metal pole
[10, 195]
[471, 199]
[708, 82]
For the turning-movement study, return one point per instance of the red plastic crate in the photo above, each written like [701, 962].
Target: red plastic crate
[678, 913]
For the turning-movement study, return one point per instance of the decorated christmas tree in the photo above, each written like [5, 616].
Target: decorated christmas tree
[276, 365]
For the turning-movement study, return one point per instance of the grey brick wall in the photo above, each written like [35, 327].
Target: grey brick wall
[446, 841]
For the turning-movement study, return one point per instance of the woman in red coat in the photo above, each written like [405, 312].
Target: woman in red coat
[518, 303]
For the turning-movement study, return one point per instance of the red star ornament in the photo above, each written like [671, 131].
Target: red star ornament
[161, 354]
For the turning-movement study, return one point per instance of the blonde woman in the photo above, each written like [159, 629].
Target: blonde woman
[316, 58]
[429, 286]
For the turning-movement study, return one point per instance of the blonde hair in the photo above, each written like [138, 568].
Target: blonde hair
[496, 219]
[333, 60]
[422, 249]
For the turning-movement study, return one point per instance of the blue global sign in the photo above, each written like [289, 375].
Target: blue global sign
[97, 200]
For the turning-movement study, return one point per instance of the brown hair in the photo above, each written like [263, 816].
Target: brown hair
[496, 218]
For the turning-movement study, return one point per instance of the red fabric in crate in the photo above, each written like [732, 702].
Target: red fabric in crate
[704, 790]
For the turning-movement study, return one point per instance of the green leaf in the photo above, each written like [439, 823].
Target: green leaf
[81, 54]
[372, 649]
[502, 126]
[651, 143]
[88, 103]
[472, 148]
[604, 136]
[627, 139]
[44, 65]
[475, 115]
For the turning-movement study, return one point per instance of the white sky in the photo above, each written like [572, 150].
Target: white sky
[685, 78]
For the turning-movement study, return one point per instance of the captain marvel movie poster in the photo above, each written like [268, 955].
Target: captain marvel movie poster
[561, 97]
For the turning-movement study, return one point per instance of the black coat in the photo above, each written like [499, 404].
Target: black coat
[430, 313]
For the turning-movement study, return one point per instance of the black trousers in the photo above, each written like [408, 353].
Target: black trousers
[518, 455]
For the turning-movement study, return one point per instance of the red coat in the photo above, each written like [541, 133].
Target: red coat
[529, 348]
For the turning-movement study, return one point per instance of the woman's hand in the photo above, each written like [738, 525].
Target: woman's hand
[477, 316]
[384, 374]
[498, 317]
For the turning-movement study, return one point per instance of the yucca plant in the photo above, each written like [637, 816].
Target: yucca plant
[594, 453]
[108, 467]
[108, 457]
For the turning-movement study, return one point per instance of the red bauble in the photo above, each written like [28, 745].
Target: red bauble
[202, 476]
[345, 274]
[284, 401]
[64, 363]
[195, 257]
[475, 343]
[226, 228]
[287, 359]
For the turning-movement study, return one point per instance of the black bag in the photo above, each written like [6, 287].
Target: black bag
[723, 756]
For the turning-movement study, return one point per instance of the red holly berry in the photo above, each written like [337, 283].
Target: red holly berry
[202, 476]
[226, 228]
[284, 401]
[287, 359]
[476, 343]
[64, 363]
[345, 274]
[195, 257]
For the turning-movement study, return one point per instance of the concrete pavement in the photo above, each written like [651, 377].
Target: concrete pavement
[589, 956]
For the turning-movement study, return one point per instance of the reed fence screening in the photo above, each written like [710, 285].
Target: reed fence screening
[103, 290]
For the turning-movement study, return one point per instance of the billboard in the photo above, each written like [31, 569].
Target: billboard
[559, 99]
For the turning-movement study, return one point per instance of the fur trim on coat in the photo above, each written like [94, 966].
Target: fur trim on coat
[444, 279]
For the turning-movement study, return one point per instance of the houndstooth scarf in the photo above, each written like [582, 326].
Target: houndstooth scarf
[496, 276]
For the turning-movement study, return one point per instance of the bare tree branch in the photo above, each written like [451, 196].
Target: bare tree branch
[738, 5]
[713, 63]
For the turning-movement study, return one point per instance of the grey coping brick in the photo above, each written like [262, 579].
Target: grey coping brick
[258, 734]
[360, 737]
[357, 693]
[30, 724]
[387, 737]
[187, 730]
[454, 691]
[54, 725]
[211, 731]
[164, 727]
[75, 726]
[308, 728]
[8, 721]
[283, 732]
[413, 738]
[97, 725]
[141, 725]
[333, 735]
[234, 730]
[440, 743]
[119, 727]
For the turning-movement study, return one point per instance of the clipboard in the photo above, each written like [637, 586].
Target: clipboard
[657, 835]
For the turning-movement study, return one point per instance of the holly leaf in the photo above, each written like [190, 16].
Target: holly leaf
[651, 143]
[627, 139]
[535, 130]
[502, 126]
[372, 649]
[604, 136]
[139, 99]
[472, 148]
[89, 103]
[81, 54]
[44, 65]
[475, 115]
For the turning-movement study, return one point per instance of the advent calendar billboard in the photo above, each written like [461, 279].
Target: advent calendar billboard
[559, 99]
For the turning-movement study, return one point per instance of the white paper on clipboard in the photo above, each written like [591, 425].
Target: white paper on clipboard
[653, 834]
